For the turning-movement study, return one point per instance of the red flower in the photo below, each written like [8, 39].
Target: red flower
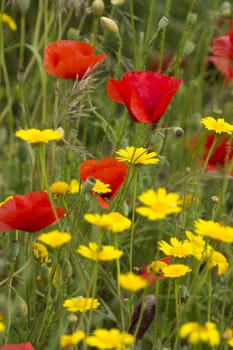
[145, 94]
[219, 155]
[223, 46]
[224, 66]
[21, 346]
[31, 212]
[151, 277]
[109, 171]
[70, 59]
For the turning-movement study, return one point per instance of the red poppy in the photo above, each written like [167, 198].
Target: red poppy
[109, 171]
[31, 212]
[223, 46]
[219, 155]
[151, 277]
[224, 66]
[21, 346]
[145, 94]
[70, 59]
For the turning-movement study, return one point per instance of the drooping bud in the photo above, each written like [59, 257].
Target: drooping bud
[143, 316]
[225, 10]
[188, 48]
[21, 307]
[73, 34]
[163, 23]
[97, 8]
[24, 5]
[178, 132]
[109, 25]
[191, 18]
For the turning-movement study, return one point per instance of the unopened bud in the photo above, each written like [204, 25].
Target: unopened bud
[178, 132]
[144, 313]
[73, 34]
[191, 18]
[163, 23]
[72, 318]
[215, 199]
[188, 48]
[109, 25]
[21, 307]
[225, 10]
[24, 5]
[97, 8]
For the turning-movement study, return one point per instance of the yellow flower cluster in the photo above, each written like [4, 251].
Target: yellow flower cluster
[110, 339]
[200, 333]
[55, 238]
[81, 304]
[99, 253]
[61, 188]
[214, 230]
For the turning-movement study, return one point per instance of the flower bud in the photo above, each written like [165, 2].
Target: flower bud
[117, 2]
[21, 307]
[225, 10]
[188, 48]
[24, 5]
[73, 34]
[178, 132]
[109, 25]
[191, 18]
[163, 23]
[97, 8]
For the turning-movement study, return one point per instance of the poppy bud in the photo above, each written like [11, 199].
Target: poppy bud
[225, 10]
[72, 318]
[97, 8]
[24, 5]
[188, 48]
[178, 132]
[144, 312]
[21, 307]
[163, 22]
[73, 34]
[109, 25]
[191, 18]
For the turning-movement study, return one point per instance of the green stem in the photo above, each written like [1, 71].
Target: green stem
[118, 66]
[164, 32]
[133, 31]
[135, 178]
[22, 41]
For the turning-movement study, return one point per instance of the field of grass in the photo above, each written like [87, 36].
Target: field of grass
[116, 168]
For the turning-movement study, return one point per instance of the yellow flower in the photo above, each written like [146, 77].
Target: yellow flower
[137, 155]
[100, 187]
[216, 258]
[99, 253]
[39, 136]
[159, 204]
[200, 249]
[131, 281]
[228, 335]
[219, 125]
[61, 188]
[198, 333]
[2, 325]
[55, 238]
[214, 230]
[175, 270]
[109, 339]
[114, 221]
[177, 248]
[5, 200]
[41, 254]
[156, 267]
[81, 304]
[8, 20]
[67, 340]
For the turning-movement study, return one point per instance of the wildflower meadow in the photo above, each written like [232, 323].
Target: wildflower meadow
[116, 174]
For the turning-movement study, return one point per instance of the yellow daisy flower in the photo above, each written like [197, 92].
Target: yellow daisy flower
[114, 221]
[67, 340]
[200, 333]
[219, 125]
[99, 253]
[214, 230]
[175, 270]
[131, 281]
[61, 188]
[39, 136]
[159, 204]
[110, 339]
[81, 304]
[216, 258]
[41, 254]
[176, 248]
[200, 249]
[8, 20]
[137, 155]
[55, 238]
[100, 187]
